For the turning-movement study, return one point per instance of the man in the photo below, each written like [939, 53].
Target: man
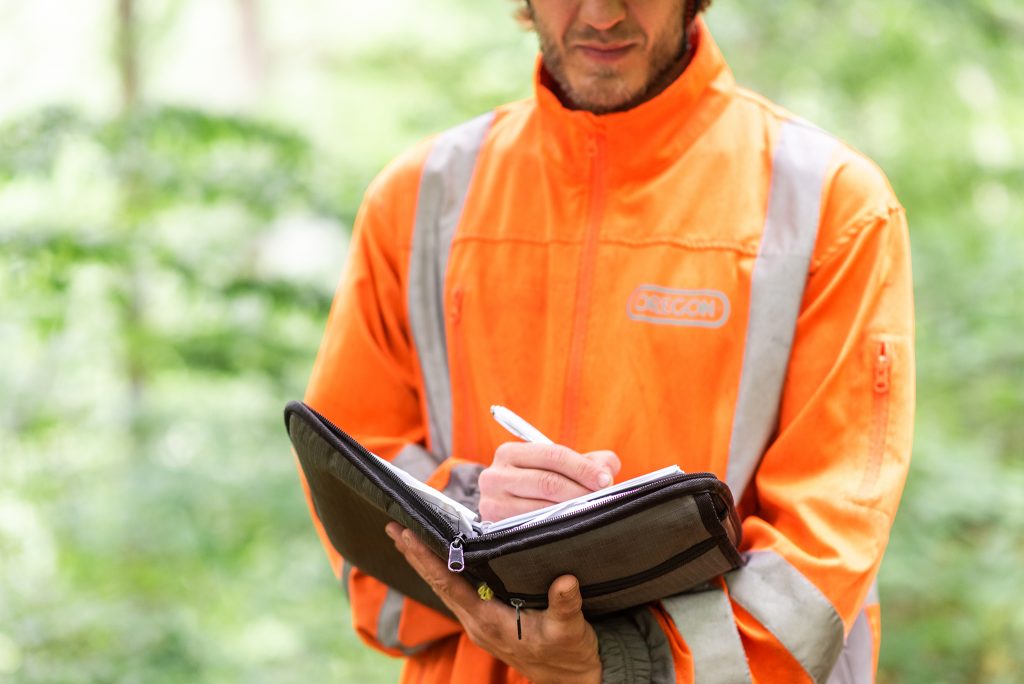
[653, 266]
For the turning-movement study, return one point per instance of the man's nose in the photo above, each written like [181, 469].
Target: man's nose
[602, 14]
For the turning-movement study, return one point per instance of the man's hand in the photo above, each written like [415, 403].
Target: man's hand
[524, 477]
[558, 644]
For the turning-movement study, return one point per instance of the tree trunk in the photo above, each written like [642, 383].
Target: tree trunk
[131, 300]
[128, 54]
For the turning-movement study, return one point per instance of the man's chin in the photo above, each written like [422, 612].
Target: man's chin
[605, 99]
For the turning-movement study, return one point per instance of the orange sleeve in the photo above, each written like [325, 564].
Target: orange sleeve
[817, 515]
[826, 494]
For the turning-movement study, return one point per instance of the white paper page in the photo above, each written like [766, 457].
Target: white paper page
[579, 502]
[467, 519]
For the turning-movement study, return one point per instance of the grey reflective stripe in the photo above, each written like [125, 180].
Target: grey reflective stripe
[388, 621]
[443, 187]
[872, 599]
[417, 461]
[856, 664]
[780, 274]
[463, 485]
[346, 575]
[442, 193]
[789, 606]
[705, 621]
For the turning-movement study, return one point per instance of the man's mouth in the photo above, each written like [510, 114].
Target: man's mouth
[605, 52]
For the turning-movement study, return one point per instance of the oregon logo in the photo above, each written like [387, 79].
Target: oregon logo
[699, 308]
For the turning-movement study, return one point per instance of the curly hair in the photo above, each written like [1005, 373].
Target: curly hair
[522, 11]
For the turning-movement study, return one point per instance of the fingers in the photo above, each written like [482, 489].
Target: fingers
[526, 477]
[453, 590]
[488, 623]
[587, 473]
[565, 602]
[544, 485]
[393, 529]
[548, 636]
[422, 559]
[607, 459]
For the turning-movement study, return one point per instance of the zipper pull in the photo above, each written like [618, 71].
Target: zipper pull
[455, 562]
[456, 309]
[882, 368]
[517, 603]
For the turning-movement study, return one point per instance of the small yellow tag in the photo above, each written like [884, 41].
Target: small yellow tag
[485, 592]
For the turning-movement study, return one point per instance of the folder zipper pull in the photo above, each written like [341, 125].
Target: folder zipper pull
[517, 604]
[455, 562]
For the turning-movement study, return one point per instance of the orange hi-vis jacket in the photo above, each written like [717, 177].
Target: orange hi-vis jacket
[703, 280]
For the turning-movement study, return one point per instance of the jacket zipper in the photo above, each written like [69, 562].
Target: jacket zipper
[880, 386]
[584, 288]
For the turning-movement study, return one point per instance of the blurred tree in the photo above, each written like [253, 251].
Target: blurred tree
[160, 319]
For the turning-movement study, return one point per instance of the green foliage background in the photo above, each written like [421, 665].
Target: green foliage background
[167, 256]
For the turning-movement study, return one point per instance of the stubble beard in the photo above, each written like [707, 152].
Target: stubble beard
[604, 90]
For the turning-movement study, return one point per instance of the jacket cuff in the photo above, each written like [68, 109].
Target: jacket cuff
[633, 648]
[463, 484]
[625, 656]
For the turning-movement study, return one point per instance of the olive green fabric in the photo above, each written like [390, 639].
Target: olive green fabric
[532, 569]
[354, 512]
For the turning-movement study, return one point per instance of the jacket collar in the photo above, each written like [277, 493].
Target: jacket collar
[643, 140]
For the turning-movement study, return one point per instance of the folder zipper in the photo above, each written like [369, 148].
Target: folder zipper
[611, 586]
[518, 603]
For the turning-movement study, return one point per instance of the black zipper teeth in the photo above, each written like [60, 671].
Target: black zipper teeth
[611, 586]
[383, 472]
[486, 537]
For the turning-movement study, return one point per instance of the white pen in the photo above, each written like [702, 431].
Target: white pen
[517, 426]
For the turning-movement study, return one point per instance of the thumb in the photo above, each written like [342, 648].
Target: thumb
[565, 602]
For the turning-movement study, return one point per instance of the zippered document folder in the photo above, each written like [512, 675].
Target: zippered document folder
[628, 544]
